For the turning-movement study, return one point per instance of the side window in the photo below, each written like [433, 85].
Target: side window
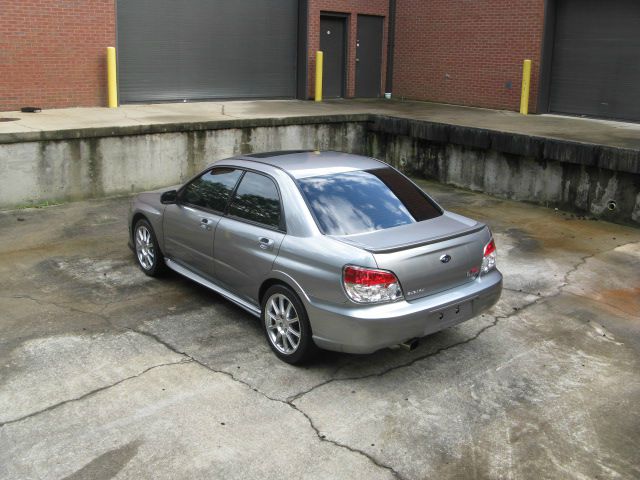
[212, 189]
[257, 199]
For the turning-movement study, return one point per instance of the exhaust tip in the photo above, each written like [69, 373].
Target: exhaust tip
[410, 345]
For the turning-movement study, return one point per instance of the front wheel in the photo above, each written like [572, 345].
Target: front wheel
[148, 254]
[286, 325]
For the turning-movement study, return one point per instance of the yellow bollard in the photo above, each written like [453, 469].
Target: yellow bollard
[112, 79]
[526, 81]
[319, 60]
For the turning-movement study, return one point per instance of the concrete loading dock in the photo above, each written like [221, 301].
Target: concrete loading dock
[591, 167]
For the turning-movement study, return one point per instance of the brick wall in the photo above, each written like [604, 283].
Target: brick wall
[353, 8]
[467, 52]
[52, 52]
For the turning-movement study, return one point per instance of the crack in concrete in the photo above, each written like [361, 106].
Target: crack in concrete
[522, 291]
[395, 367]
[91, 393]
[581, 262]
[290, 400]
[68, 306]
[321, 437]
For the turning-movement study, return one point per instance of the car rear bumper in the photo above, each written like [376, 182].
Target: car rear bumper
[370, 328]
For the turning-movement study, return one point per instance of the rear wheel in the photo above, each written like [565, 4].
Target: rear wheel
[148, 254]
[286, 325]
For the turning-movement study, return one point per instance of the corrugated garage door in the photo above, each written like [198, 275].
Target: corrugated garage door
[596, 59]
[200, 49]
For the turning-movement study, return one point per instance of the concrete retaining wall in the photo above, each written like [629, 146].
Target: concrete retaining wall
[594, 180]
[58, 166]
[568, 186]
[60, 170]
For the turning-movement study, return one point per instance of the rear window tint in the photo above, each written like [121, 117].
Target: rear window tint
[364, 201]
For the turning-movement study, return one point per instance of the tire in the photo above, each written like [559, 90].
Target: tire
[291, 341]
[146, 248]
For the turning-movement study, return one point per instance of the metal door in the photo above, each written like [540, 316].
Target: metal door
[595, 65]
[369, 56]
[203, 49]
[333, 45]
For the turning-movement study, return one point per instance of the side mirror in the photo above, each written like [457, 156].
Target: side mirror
[169, 197]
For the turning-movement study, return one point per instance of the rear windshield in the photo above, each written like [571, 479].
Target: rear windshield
[364, 201]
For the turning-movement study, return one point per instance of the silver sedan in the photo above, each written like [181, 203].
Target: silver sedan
[330, 250]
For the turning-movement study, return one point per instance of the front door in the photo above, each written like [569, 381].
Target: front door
[189, 237]
[248, 239]
[332, 44]
[369, 56]
[190, 224]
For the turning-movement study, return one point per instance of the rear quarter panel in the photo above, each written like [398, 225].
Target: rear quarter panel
[315, 264]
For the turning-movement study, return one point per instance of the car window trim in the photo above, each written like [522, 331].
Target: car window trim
[201, 174]
[283, 223]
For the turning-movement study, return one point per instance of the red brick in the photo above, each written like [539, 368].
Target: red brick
[53, 52]
[481, 44]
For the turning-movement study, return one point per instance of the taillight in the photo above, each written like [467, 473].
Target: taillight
[489, 257]
[368, 285]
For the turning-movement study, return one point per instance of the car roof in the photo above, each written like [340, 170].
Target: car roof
[310, 163]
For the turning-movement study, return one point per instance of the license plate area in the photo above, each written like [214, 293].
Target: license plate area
[452, 314]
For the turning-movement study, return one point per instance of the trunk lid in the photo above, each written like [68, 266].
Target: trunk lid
[430, 256]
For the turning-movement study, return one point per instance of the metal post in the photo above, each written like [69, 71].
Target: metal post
[112, 79]
[319, 60]
[526, 81]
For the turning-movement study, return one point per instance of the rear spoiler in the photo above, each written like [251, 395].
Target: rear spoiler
[396, 248]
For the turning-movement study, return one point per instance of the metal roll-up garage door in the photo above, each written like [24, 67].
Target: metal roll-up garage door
[206, 49]
[595, 67]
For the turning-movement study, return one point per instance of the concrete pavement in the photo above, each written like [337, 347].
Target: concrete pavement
[105, 373]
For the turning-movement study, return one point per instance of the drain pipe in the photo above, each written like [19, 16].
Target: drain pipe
[391, 43]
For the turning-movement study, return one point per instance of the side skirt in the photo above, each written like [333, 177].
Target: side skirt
[212, 286]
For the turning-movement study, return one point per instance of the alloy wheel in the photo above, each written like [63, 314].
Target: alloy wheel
[283, 324]
[144, 247]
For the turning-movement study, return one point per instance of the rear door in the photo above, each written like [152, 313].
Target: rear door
[190, 224]
[248, 239]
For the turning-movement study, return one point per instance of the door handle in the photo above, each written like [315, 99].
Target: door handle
[204, 224]
[265, 243]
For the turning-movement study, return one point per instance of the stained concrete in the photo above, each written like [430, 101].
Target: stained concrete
[106, 373]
